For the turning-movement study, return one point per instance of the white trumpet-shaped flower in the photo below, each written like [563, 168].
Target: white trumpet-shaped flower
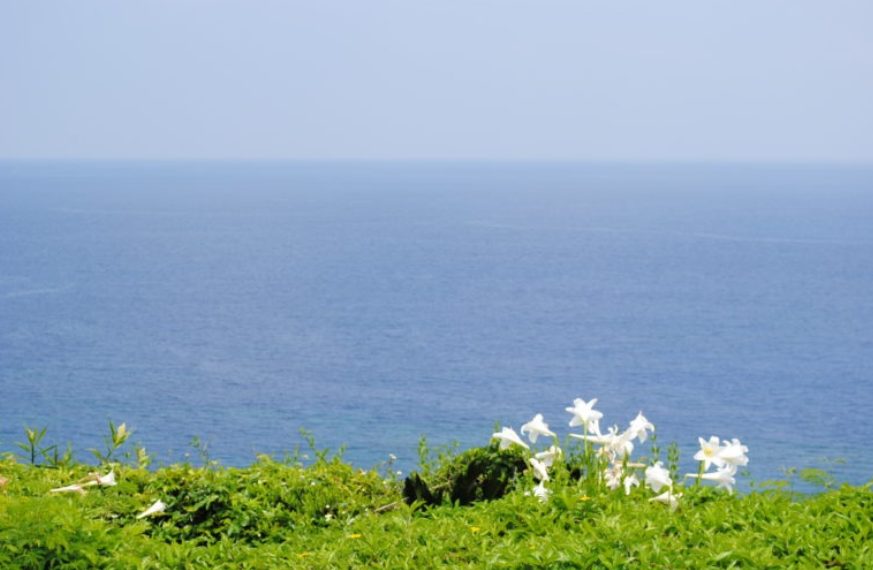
[621, 445]
[614, 445]
[540, 470]
[598, 438]
[541, 493]
[92, 479]
[584, 414]
[156, 508]
[724, 477]
[709, 452]
[89, 480]
[630, 481]
[714, 452]
[535, 428]
[107, 480]
[549, 456]
[734, 453]
[657, 477]
[640, 427]
[668, 498]
[508, 437]
[612, 476]
[69, 489]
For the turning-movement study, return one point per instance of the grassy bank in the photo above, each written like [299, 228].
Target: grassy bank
[328, 514]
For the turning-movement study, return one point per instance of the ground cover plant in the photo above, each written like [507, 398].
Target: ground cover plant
[596, 499]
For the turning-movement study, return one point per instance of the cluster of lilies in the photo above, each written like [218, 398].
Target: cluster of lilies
[614, 467]
[613, 453]
[108, 480]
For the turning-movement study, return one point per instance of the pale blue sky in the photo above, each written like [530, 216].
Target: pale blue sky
[452, 79]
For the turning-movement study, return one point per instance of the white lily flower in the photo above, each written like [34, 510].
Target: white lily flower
[107, 480]
[157, 507]
[539, 469]
[535, 428]
[89, 480]
[614, 445]
[709, 453]
[598, 438]
[724, 477]
[622, 444]
[630, 481]
[612, 476]
[507, 437]
[584, 414]
[92, 479]
[541, 493]
[668, 498]
[657, 477]
[640, 427]
[734, 453]
[549, 456]
[69, 489]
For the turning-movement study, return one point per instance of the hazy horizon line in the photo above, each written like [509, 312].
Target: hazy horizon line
[436, 160]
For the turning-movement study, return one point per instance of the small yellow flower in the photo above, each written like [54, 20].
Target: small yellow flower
[303, 554]
[356, 535]
[584, 498]
[475, 529]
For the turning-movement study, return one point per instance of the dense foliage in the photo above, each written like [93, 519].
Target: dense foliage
[479, 513]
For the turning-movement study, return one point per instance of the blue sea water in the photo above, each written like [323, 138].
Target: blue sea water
[374, 302]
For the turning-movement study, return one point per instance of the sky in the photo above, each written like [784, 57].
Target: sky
[646, 80]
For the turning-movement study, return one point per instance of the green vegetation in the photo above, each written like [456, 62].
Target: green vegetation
[461, 510]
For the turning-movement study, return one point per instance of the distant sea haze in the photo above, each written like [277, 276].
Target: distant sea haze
[372, 303]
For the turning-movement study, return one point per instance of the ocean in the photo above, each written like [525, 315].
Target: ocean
[373, 303]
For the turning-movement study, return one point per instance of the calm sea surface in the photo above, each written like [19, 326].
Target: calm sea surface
[372, 303]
